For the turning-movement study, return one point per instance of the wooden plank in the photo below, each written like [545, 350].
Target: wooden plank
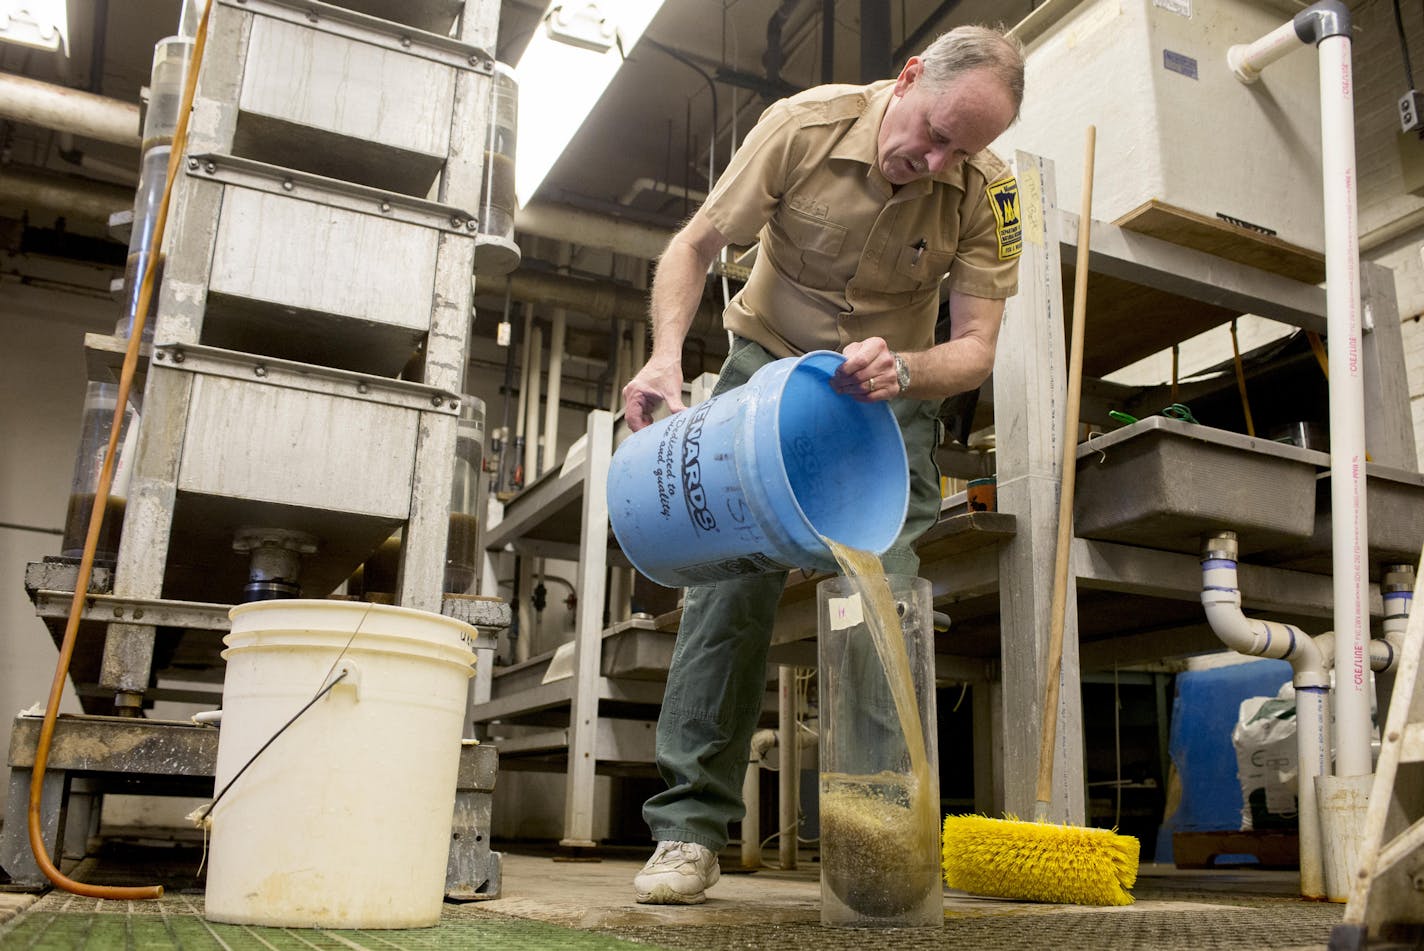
[1201, 849]
[1128, 321]
[1144, 294]
[964, 532]
[1224, 239]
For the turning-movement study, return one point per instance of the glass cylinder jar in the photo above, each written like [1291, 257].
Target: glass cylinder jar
[165, 95]
[462, 547]
[880, 813]
[495, 250]
[99, 403]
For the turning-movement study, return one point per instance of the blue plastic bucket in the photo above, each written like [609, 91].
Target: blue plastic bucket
[746, 482]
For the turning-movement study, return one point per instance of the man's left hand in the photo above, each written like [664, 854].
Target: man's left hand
[868, 374]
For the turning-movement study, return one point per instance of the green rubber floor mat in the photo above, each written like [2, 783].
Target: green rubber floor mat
[61, 922]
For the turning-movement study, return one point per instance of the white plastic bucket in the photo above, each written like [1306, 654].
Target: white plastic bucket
[344, 821]
[748, 481]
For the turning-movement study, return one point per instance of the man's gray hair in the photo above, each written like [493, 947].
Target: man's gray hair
[967, 48]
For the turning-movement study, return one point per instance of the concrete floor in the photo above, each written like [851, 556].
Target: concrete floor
[1175, 908]
[549, 903]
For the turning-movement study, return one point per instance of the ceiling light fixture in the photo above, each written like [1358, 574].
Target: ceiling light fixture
[39, 24]
[567, 65]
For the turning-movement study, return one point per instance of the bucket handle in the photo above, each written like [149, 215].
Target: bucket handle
[342, 669]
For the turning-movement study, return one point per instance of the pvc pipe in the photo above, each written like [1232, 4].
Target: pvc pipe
[1221, 600]
[556, 370]
[1398, 589]
[552, 394]
[521, 411]
[590, 229]
[68, 110]
[1247, 60]
[524, 603]
[1309, 659]
[789, 765]
[1327, 24]
[645, 184]
[1312, 760]
[602, 299]
[72, 197]
[531, 382]
[1349, 519]
[751, 820]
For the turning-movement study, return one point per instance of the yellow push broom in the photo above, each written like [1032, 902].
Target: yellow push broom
[1042, 860]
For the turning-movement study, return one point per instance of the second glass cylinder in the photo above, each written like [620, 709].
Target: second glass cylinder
[880, 813]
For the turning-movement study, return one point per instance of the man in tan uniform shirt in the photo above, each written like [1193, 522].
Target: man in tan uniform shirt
[865, 200]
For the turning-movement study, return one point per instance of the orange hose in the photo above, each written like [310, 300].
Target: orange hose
[96, 516]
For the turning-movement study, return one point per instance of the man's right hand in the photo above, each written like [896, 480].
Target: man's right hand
[657, 383]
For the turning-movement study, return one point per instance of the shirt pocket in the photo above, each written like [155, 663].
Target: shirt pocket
[918, 268]
[819, 242]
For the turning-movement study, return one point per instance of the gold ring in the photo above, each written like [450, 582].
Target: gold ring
[870, 386]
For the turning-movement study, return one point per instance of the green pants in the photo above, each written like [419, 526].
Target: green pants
[718, 675]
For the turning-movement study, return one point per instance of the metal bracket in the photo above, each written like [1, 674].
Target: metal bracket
[197, 358]
[107, 608]
[373, 30]
[276, 180]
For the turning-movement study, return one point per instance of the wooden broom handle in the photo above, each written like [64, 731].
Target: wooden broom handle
[1059, 605]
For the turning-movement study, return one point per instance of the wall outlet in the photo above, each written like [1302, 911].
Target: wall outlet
[1411, 106]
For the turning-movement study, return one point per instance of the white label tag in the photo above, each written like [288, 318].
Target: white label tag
[1179, 7]
[846, 612]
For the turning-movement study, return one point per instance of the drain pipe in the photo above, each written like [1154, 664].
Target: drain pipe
[1397, 587]
[68, 110]
[1343, 796]
[1309, 659]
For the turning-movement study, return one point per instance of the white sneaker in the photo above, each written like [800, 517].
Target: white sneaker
[679, 873]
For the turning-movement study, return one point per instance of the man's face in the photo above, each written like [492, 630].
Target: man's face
[926, 130]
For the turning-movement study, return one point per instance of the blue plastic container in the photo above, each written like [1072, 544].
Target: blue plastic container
[746, 482]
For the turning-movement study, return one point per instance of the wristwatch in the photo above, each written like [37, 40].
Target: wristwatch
[902, 372]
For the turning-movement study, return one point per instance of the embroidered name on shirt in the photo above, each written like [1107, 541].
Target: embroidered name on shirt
[1004, 199]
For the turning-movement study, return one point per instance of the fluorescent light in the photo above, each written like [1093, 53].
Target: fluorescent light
[40, 24]
[560, 83]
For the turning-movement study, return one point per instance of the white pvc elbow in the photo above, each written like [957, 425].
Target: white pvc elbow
[1221, 600]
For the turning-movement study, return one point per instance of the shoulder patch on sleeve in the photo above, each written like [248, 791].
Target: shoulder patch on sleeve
[1004, 200]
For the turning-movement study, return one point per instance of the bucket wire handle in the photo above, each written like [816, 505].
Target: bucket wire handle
[328, 683]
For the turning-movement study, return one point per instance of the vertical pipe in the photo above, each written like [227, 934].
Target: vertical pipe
[556, 369]
[1347, 418]
[789, 763]
[617, 358]
[525, 603]
[1313, 759]
[535, 349]
[552, 393]
[875, 45]
[522, 411]
[751, 822]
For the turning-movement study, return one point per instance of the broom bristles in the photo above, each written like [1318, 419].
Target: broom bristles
[1039, 861]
